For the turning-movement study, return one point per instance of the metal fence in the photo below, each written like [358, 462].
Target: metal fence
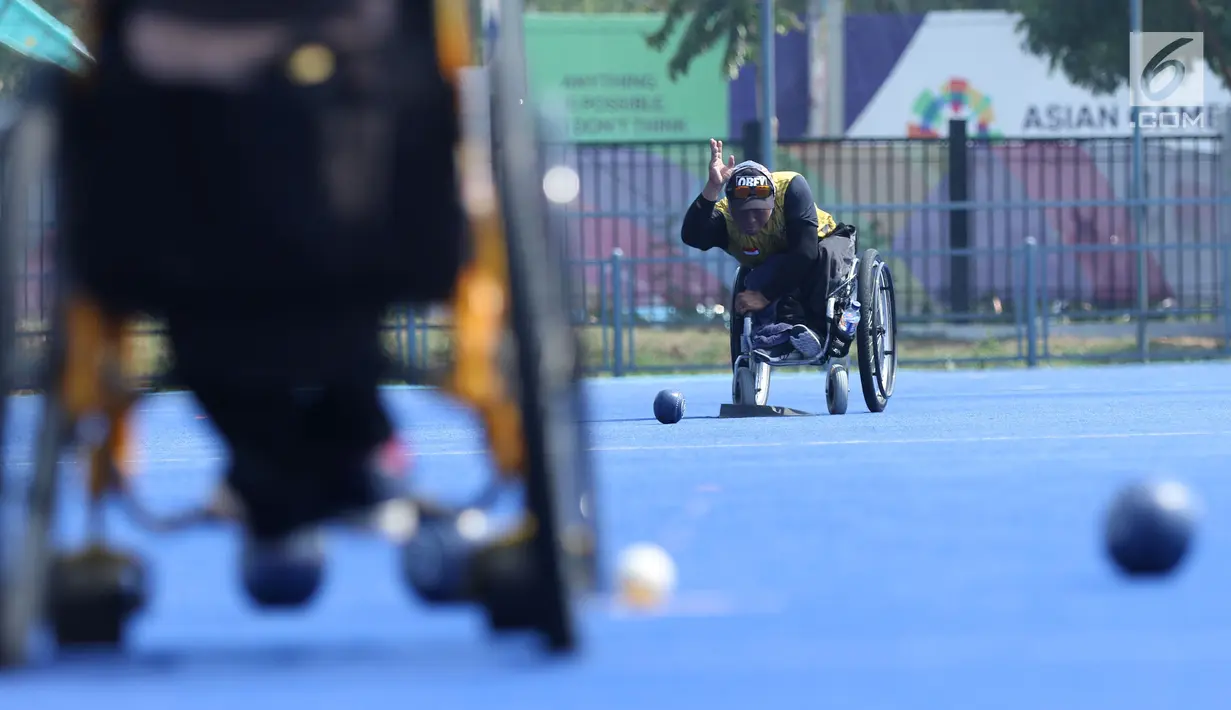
[917, 198]
[1004, 250]
[1022, 325]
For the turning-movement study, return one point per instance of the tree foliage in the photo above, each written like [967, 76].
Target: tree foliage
[917, 7]
[1088, 40]
[597, 6]
[732, 24]
[735, 25]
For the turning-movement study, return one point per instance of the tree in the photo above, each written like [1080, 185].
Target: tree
[918, 7]
[736, 23]
[852, 6]
[596, 6]
[1088, 40]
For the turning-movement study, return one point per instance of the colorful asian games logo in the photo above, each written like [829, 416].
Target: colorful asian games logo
[961, 100]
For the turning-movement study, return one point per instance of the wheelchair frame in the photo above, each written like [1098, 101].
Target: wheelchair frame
[531, 412]
[870, 281]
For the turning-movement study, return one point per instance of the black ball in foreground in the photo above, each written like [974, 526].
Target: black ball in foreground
[436, 562]
[669, 407]
[285, 574]
[1149, 527]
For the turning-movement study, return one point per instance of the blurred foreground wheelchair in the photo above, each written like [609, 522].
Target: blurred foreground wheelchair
[290, 157]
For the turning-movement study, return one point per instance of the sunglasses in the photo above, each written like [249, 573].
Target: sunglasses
[743, 192]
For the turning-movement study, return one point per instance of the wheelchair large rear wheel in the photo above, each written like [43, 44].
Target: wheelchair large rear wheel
[877, 332]
[559, 484]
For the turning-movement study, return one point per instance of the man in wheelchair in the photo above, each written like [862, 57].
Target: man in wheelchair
[794, 255]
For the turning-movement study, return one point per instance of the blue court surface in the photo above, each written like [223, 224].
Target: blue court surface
[944, 554]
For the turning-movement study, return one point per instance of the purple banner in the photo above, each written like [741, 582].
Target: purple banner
[874, 44]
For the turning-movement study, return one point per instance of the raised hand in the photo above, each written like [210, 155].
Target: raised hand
[719, 171]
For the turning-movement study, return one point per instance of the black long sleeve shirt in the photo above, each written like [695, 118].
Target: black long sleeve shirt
[705, 228]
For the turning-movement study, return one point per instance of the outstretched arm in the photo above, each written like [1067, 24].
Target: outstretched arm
[704, 227]
[800, 230]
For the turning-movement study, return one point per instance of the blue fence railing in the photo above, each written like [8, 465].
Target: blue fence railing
[1024, 324]
[911, 195]
[626, 332]
[905, 196]
[988, 239]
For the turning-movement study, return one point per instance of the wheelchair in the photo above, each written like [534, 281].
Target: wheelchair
[870, 283]
[516, 363]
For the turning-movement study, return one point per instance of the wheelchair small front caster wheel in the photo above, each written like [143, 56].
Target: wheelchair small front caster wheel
[284, 574]
[837, 389]
[744, 385]
[92, 595]
[507, 584]
[437, 562]
[742, 381]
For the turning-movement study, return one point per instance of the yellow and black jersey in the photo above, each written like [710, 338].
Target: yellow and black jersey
[797, 225]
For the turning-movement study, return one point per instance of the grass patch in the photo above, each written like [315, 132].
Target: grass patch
[707, 348]
[678, 349]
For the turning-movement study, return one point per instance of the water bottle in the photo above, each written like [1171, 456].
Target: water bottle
[849, 321]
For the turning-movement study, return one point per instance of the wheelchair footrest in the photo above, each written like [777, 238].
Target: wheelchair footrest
[815, 362]
[746, 411]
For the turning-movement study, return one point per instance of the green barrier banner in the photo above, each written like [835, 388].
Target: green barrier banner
[611, 86]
